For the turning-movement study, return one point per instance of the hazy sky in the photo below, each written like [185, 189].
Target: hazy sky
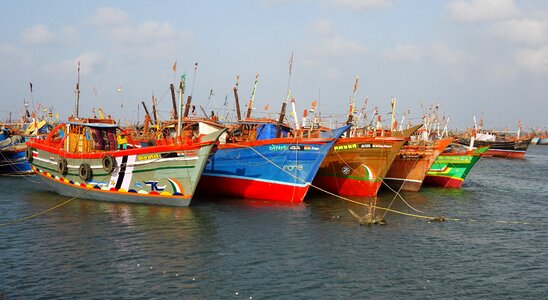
[470, 56]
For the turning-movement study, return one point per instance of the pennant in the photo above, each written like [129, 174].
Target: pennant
[226, 100]
[266, 107]
[313, 103]
[174, 68]
[30, 86]
[195, 67]
[356, 84]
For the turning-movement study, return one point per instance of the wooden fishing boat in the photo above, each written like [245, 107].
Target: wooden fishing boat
[12, 155]
[409, 168]
[453, 165]
[261, 161]
[95, 159]
[356, 166]
[501, 143]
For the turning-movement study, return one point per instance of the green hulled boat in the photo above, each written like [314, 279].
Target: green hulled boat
[452, 166]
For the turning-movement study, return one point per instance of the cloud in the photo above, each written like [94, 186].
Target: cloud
[329, 43]
[483, 10]
[521, 31]
[437, 52]
[89, 62]
[70, 31]
[533, 60]
[361, 4]
[108, 16]
[321, 28]
[146, 40]
[38, 35]
[11, 55]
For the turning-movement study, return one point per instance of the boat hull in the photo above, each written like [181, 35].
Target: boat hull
[357, 166]
[14, 162]
[506, 149]
[450, 169]
[411, 164]
[279, 169]
[158, 175]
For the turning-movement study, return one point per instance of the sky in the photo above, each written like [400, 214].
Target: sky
[487, 58]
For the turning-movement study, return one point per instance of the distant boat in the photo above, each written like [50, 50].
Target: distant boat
[411, 164]
[500, 144]
[452, 166]
[94, 159]
[254, 163]
[543, 140]
[356, 166]
[12, 155]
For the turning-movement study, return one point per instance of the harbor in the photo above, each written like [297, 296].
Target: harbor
[245, 249]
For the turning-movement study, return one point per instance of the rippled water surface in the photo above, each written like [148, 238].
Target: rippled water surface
[235, 249]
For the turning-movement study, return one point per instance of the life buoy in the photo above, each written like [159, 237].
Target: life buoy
[109, 163]
[85, 172]
[28, 154]
[62, 166]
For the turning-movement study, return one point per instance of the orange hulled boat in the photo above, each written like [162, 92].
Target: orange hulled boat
[412, 162]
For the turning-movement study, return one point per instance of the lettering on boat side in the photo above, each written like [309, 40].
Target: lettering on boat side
[290, 168]
[293, 147]
[356, 146]
[148, 156]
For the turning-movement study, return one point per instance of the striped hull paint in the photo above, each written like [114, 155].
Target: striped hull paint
[411, 164]
[158, 175]
[13, 161]
[279, 169]
[450, 169]
[356, 166]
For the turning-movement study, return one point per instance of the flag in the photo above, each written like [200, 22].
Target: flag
[266, 107]
[356, 84]
[290, 62]
[30, 86]
[174, 68]
[313, 103]
[226, 100]
[195, 67]
[237, 80]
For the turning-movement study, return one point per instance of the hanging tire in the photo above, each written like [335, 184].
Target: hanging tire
[62, 166]
[85, 172]
[109, 163]
[28, 154]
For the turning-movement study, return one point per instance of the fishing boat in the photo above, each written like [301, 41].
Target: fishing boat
[12, 154]
[500, 144]
[409, 168]
[261, 161]
[453, 165]
[542, 140]
[356, 166]
[95, 159]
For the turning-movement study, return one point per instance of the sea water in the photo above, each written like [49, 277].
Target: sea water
[238, 249]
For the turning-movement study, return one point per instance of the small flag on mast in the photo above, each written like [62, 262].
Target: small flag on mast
[30, 86]
[174, 68]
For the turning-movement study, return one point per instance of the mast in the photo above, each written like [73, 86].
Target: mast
[235, 89]
[154, 114]
[352, 99]
[77, 92]
[181, 93]
[250, 106]
[173, 101]
[294, 113]
[284, 104]
[393, 119]
[189, 99]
